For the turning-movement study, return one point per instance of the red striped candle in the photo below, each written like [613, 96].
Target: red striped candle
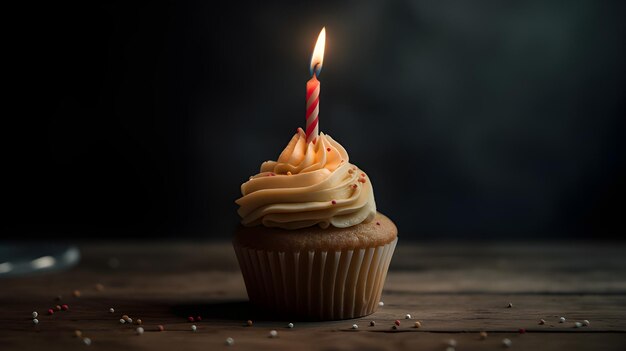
[313, 89]
[312, 108]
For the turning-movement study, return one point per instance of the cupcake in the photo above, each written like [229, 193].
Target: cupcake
[311, 244]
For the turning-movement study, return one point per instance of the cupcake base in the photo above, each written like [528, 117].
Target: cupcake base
[305, 277]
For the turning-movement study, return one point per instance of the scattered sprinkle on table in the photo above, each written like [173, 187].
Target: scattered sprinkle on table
[35, 321]
[483, 335]
[562, 320]
[452, 342]
[99, 287]
[450, 348]
[78, 333]
[408, 316]
[510, 305]
[57, 307]
[190, 319]
[50, 311]
[506, 342]
[138, 321]
[586, 323]
[354, 326]
[397, 322]
[122, 320]
[35, 314]
[249, 323]
[381, 304]
[160, 328]
[87, 341]
[139, 331]
[76, 293]
[230, 341]
[111, 310]
[542, 321]
[129, 320]
[418, 324]
[290, 325]
[273, 334]
[194, 328]
[372, 323]
[65, 307]
[578, 325]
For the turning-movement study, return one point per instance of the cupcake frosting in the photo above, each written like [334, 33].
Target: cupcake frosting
[310, 184]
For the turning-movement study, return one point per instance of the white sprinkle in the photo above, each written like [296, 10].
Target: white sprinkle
[408, 316]
[506, 342]
[381, 304]
[111, 310]
[122, 321]
[290, 325]
[87, 341]
[194, 328]
[273, 333]
[452, 342]
[372, 323]
[230, 341]
[542, 321]
[450, 348]
[510, 305]
[562, 320]
[578, 325]
[586, 323]
[35, 314]
[354, 326]
[140, 331]
[35, 321]
[130, 320]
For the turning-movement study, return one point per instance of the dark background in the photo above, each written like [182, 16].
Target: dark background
[473, 119]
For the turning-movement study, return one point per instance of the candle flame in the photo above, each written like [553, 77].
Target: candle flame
[318, 53]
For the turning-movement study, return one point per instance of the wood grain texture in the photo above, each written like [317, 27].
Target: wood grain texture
[454, 290]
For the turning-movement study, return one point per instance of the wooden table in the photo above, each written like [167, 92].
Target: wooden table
[454, 290]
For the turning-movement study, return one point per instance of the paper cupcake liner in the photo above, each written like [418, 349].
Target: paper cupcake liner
[322, 285]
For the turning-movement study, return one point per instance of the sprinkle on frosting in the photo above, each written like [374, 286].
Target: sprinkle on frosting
[314, 184]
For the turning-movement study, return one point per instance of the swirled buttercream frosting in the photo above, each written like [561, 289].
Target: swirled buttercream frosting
[310, 184]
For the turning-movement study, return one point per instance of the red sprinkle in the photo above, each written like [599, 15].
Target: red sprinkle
[354, 186]
[362, 174]
[190, 318]
[522, 331]
[65, 307]
[377, 223]
[314, 140]
[362, 180]
[397, 322]
[328, 149]
[198, 318]
[50, 311]
[160, 328]
[333, 202]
